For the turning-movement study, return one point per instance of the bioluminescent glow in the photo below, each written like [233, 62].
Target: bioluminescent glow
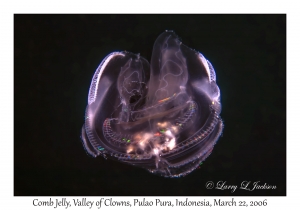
[162, 116]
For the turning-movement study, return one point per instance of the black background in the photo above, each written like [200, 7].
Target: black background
[55, 57]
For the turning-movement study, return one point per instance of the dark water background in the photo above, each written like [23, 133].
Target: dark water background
[55, 57]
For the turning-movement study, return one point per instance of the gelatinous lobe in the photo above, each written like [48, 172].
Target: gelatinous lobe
[163, 117]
